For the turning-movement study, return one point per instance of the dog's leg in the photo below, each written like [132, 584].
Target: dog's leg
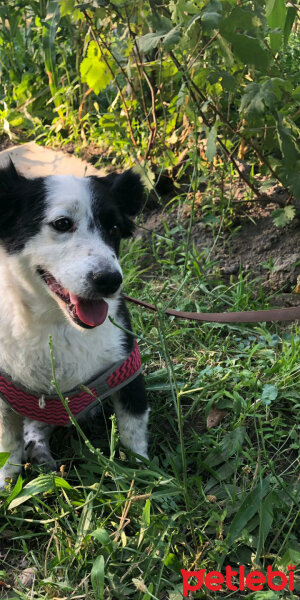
[36, 443]
[11, 440]
[132, 412]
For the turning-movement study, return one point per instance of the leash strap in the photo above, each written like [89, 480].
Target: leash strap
[251, 316]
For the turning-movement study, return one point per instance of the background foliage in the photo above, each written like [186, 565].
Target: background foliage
[151, 80]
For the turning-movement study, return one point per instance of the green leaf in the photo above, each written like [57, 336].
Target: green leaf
[225, 471]
[231, 444]
[211, 147]
[18, 121]
[85, 522]
[249, 507]
[97, 577]
[148, 596]
[149, 42]
[192, 22]
[239, 17]
[66, 7]
[171, 38]
[290, 556]
[269, 393]
[102, 536]
[276, 16]
[147, 176]
[226, 52]
[181, 11]
[287, 144]
[15, 492]
[270, 7]
[283, 216]
[228, 81]
[3, 458]
[266, 515]
[171, 561]
[289, 22]
[145, 520]
[43, 483]
[278, 217]
[95, 73]
[266, 595]
[233, 441]
[290, 212]
[258, 98]
[248, 50]
[293, 181]
[211, 15]
[160, 23]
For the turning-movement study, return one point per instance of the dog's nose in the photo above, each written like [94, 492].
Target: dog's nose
[106, 283]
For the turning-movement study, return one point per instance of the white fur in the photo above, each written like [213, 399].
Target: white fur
[133, 429]
[29, 312]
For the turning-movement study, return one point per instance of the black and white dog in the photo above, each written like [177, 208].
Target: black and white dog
[60, 275]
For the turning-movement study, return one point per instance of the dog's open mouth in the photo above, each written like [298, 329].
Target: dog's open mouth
[86, 313]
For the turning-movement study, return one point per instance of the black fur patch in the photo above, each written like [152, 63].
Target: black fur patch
[124, 319]
[116, 198]
[133, 396]
[22, 208]
[128, 191]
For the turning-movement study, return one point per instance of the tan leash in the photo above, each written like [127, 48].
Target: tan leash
[251, 316]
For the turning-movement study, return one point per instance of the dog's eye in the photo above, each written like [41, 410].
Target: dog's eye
[115, 231]
[63, 224]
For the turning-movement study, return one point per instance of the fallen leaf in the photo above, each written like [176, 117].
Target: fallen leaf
[26, 577]
[215, 416]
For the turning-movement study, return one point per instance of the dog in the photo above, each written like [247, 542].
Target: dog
[60, 276]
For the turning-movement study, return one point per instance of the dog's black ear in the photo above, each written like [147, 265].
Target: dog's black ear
[128, 191]
[9, 200]
[8, 176]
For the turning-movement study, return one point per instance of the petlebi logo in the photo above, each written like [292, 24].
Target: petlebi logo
[253, 581]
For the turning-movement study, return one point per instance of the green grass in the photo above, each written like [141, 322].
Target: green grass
[108, 527]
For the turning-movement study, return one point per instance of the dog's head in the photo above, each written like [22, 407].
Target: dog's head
[68, 230]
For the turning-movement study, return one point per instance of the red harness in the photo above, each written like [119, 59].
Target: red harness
[49, 409]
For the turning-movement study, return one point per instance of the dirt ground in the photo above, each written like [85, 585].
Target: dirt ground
[257, 246]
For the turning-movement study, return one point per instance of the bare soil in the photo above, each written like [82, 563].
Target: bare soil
[252, 244]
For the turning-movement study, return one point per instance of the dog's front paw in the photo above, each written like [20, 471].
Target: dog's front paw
[38, 453]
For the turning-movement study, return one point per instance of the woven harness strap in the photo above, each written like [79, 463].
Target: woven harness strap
[49, 409]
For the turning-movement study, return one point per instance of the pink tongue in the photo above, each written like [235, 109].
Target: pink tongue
[90, 312]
